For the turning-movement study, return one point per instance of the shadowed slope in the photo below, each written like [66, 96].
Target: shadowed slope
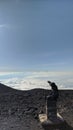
[6, 89]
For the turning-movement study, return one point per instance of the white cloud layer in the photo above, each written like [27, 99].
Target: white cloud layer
[31, 80]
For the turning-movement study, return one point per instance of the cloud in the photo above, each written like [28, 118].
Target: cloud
[7, 26]
[25, 84]
[32, 80]
[50, 74]
[12, 26]
[3, 25]
[6, 73]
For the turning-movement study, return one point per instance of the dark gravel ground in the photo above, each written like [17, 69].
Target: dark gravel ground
[19, 110]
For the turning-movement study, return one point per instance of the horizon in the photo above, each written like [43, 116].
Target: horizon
[36, 79]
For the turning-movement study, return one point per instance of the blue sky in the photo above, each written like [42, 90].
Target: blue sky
[36, 35]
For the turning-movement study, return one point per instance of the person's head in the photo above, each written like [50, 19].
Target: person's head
[52, 84]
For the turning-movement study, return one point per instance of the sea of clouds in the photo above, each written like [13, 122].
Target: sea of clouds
[36, 79]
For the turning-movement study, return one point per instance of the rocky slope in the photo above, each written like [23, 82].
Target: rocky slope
[20, 109]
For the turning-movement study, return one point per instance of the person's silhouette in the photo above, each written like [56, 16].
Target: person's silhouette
[54, 92]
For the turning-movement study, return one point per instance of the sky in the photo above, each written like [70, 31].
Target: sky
[36, 35]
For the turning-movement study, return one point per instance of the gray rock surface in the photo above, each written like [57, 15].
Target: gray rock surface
[19, 109]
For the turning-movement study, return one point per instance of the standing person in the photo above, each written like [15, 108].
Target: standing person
[54, 92]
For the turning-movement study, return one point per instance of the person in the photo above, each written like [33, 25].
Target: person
[54, 92]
